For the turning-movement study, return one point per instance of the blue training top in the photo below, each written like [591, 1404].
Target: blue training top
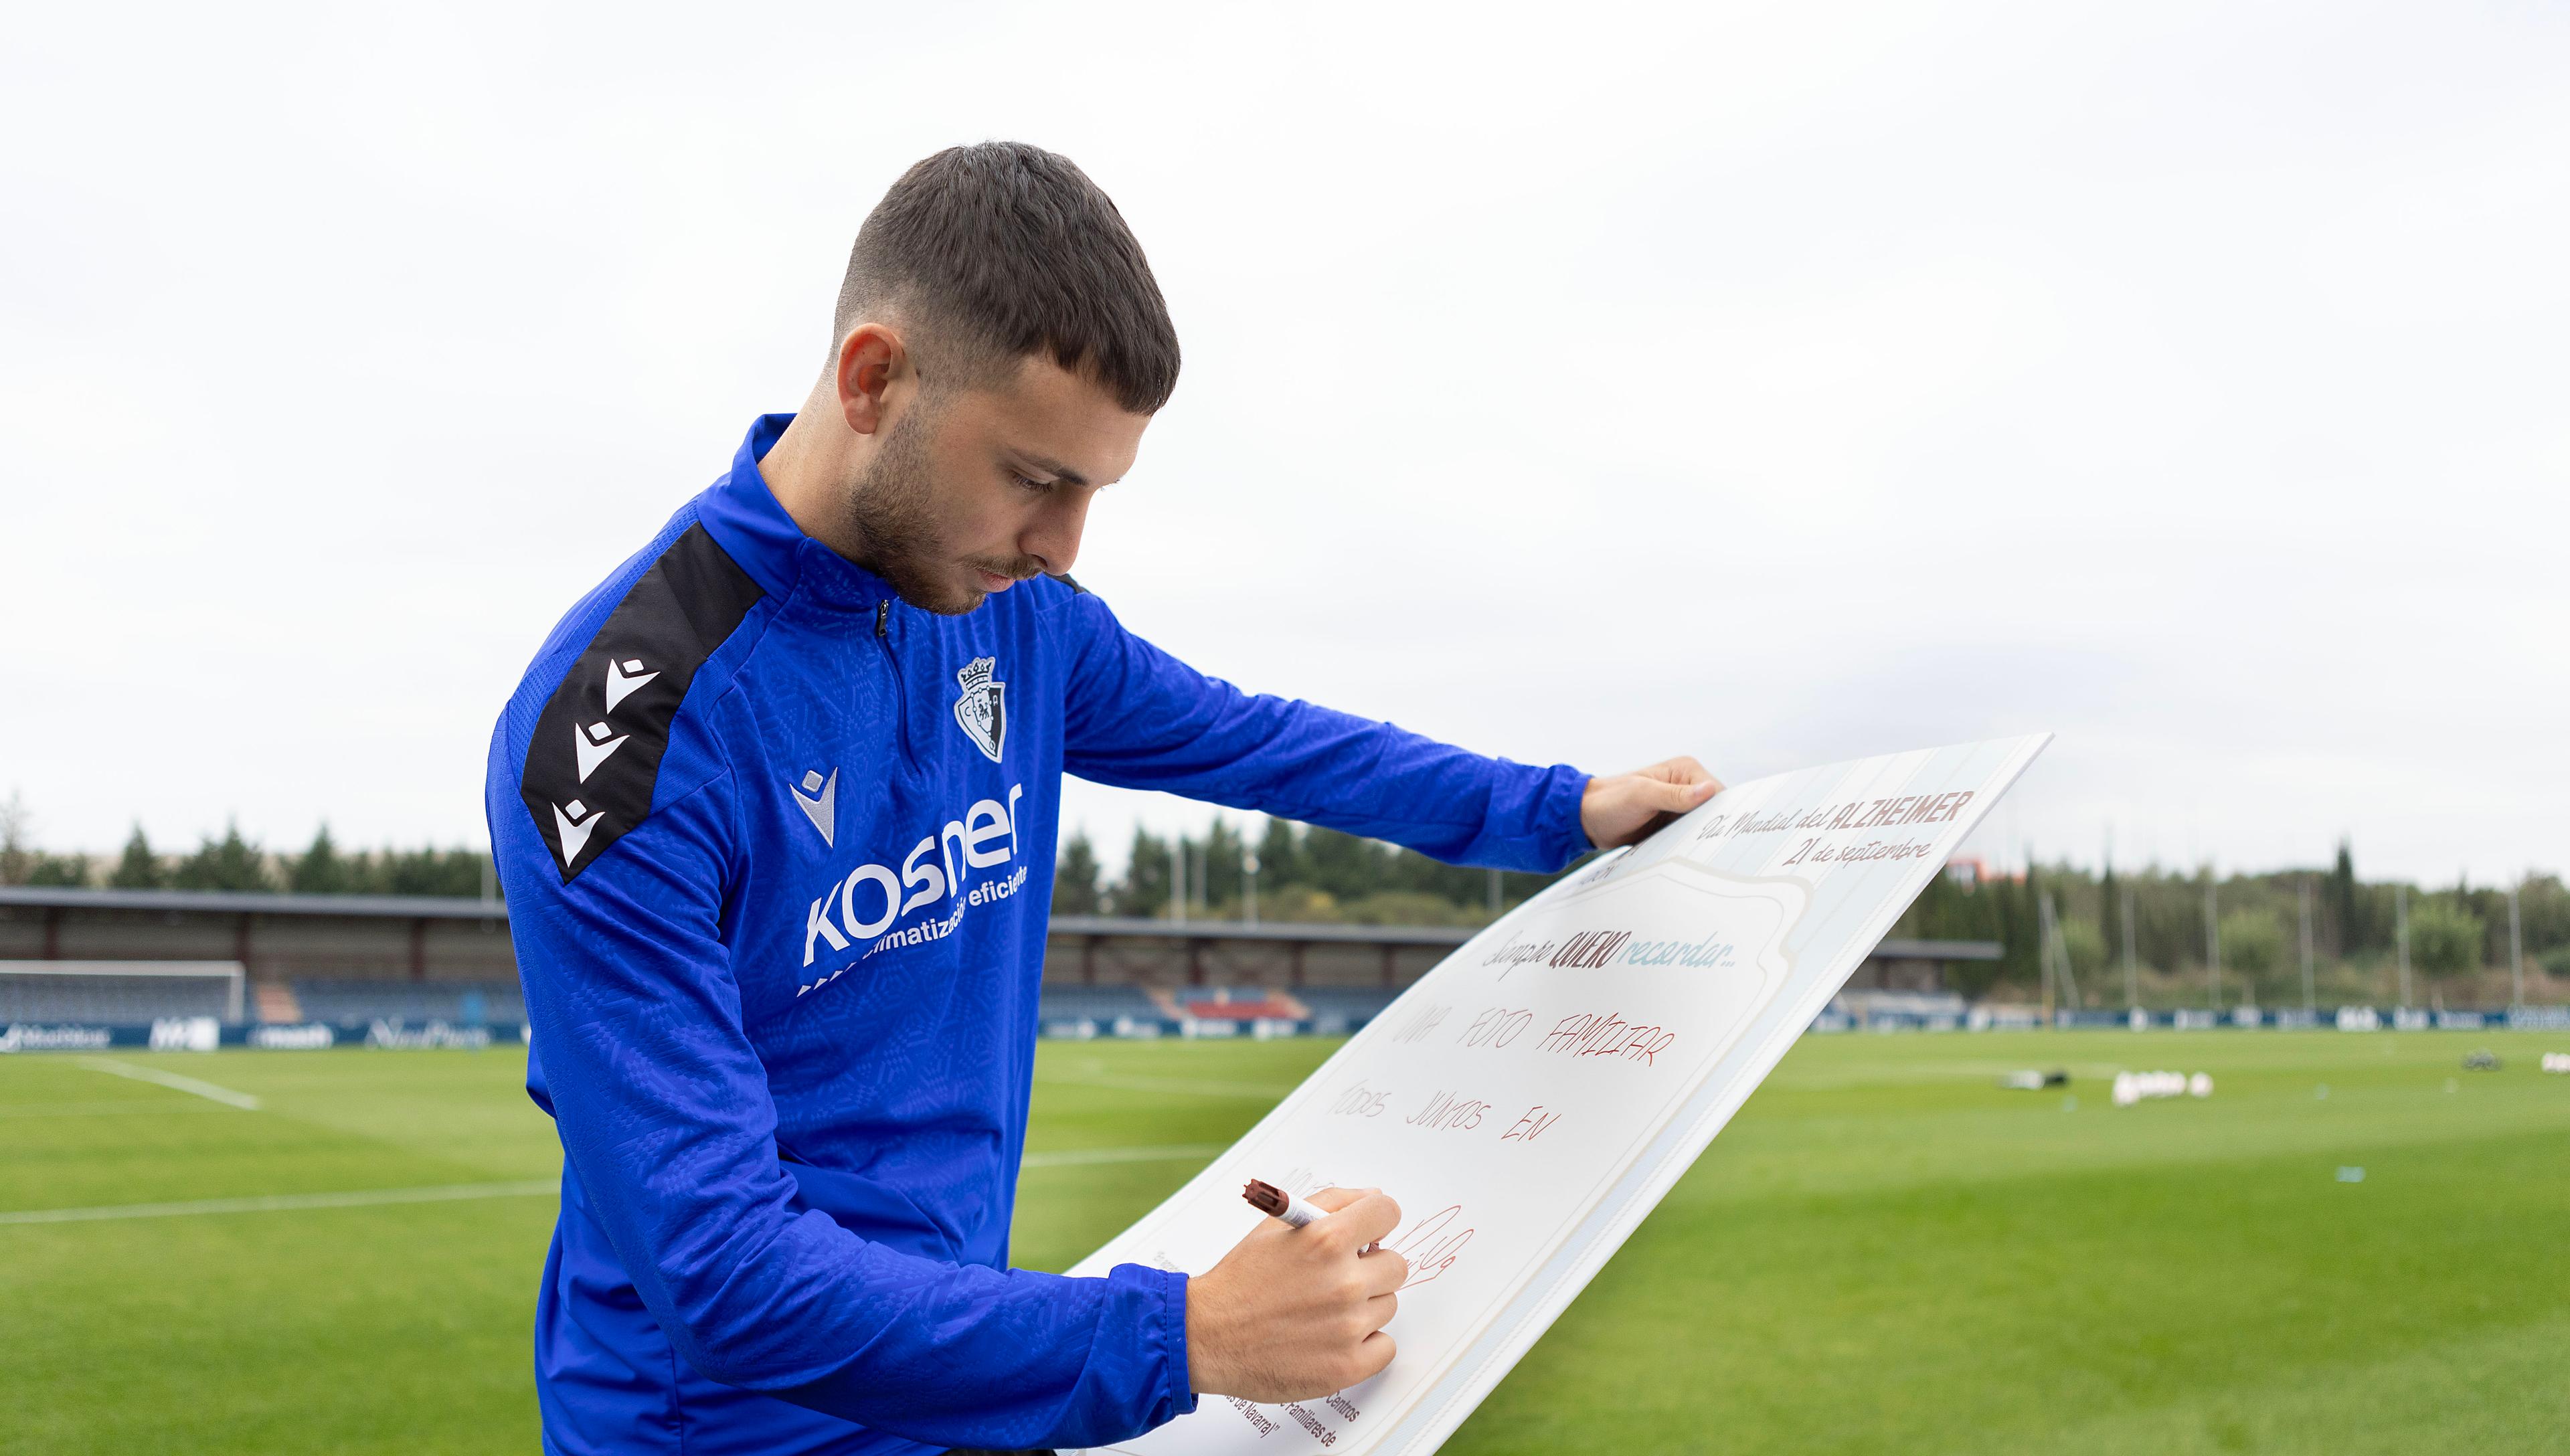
[779, 852]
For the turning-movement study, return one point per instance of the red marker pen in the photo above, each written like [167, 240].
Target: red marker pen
[1270, 1200]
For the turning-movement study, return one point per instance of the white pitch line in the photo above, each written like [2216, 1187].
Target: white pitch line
[1081, 1157]
[282, 1203]
[174, 1081]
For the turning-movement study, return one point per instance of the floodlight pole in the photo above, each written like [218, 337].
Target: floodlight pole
[2062, 973]
[2212, 938]
[2400, 923]
[2515, 949]
[2310, 1001]
[1249, 881]
[2132, 969]
[1178, 880]
[2043, 954]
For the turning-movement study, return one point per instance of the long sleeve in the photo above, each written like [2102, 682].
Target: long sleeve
[1138, 718]
[668, 1127]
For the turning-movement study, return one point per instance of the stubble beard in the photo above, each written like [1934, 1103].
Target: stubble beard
[887, 508]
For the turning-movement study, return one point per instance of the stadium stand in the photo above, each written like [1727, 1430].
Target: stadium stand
[357, 1002]
[1101, 1005]
[1350, 1006]
[1246, 1003]
[275, 1004]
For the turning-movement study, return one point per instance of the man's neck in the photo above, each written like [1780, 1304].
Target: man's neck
[803, 471]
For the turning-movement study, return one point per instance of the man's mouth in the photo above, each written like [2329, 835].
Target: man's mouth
[1023, 569]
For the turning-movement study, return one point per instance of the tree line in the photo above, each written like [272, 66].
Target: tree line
[2156, 917]
[1289, 872]
[2178, 926]
[231, 862]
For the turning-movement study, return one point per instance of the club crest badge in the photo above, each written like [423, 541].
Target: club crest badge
[981, 710]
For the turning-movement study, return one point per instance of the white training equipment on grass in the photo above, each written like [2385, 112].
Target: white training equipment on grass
[2557, 1062]
[2133, 1087]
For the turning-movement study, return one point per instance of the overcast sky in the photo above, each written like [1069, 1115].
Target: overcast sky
[1774, 383]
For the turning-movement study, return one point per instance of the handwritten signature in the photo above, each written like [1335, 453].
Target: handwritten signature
[1432, 1245]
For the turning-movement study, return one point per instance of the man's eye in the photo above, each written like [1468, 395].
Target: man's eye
[1039, 487]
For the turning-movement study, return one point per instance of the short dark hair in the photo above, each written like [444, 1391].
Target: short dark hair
[999, 250]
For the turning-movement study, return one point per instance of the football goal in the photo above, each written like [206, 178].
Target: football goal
[119, 992]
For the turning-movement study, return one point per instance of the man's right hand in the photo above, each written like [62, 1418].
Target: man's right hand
[1294, 1313]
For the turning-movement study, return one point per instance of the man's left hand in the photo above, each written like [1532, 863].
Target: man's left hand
[1624, 809]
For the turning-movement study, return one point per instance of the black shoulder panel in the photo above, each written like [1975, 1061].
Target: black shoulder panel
[595, 755]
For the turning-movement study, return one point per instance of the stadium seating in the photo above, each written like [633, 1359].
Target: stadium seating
[1245, 1004]
[357, 1002]
[1349, 1006]
[1101, 1005]
[1328, 1008]
[274, 1002]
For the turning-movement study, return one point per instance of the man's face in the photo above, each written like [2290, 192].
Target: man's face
[974, 489]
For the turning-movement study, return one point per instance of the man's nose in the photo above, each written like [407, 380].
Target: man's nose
[1053, 538]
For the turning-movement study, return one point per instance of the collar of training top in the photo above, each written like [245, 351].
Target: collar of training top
[743, 518]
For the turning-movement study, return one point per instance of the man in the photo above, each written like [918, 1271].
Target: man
[775, 809]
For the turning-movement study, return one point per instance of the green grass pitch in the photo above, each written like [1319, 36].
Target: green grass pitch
[1884, 1253]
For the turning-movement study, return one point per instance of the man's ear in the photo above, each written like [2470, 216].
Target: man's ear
[871, 357]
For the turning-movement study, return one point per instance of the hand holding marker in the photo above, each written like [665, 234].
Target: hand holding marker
[1272, 1201]
[1296, 1311]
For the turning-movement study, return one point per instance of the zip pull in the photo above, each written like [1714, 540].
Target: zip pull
[883, 610]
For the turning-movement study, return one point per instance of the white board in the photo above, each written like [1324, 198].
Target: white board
[1532, 1099]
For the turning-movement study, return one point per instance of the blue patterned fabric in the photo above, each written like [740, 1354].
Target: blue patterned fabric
[784, 1018]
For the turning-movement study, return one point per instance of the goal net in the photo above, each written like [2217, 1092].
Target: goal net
[119, 992]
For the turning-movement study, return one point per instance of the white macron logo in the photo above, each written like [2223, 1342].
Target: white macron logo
[623, 678]
[576, 820]
[594, 746]
[823, 810]
[981, 710]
